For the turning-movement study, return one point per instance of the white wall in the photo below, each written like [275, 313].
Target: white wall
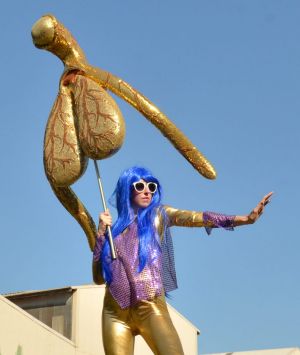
[87, 309]
[283, 351]
[22, 334]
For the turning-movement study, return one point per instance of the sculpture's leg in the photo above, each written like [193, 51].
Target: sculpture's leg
[72, 203]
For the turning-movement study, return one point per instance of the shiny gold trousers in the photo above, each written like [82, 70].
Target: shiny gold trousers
[150, 319]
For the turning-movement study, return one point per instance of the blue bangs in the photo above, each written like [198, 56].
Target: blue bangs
[121, 199]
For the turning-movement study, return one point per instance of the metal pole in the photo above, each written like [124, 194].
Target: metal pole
[110, 238]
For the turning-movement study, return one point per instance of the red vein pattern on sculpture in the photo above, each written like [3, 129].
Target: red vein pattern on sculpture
[101, 125]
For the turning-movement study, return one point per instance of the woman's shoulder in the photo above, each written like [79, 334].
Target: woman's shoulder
[161, 219]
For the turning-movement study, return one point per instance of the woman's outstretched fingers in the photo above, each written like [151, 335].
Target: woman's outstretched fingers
[267, 198]
[259, 209]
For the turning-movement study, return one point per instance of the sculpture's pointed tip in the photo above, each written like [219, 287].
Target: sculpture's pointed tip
[212, 175]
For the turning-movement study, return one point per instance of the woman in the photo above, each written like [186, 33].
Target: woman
[144, 270]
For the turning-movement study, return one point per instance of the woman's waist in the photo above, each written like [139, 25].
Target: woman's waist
[155, 304]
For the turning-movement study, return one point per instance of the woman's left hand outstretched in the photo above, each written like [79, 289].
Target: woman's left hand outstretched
[259, 209]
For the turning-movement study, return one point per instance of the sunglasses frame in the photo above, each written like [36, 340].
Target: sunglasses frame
[145, 184]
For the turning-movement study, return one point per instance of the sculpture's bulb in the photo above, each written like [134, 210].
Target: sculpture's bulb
[42, 31]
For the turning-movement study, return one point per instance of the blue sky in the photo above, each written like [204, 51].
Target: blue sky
[227, 73]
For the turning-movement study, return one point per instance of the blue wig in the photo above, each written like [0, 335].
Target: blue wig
[145, 217]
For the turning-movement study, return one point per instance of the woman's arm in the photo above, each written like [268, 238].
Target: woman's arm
[96, 265]
[183, 218]
[210, 220]
[254, 215]
[104, 221]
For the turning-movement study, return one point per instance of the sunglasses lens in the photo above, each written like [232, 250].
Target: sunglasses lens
[139, 186]
[152, 187]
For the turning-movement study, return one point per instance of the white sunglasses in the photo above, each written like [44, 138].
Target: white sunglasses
[140, 186]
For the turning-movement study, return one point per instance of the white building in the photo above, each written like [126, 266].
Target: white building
[67, 321]
[283, 351]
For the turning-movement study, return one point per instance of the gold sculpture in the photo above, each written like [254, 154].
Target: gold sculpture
[85, 122]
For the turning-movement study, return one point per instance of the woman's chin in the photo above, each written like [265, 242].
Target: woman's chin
[144, 204]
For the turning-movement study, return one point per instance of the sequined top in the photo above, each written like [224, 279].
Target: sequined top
[128, 286]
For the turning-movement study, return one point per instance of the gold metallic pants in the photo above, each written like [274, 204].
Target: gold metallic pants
[150, 319]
